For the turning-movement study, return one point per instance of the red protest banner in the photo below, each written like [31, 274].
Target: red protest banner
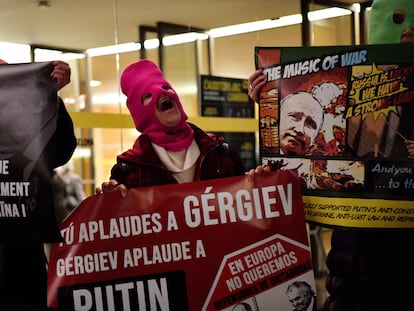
[197, 246]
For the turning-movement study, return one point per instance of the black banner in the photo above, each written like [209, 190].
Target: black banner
[28, 106]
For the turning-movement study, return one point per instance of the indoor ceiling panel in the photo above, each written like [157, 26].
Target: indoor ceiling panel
[82, 24]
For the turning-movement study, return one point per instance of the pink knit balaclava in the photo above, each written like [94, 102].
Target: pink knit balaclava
[142, 78]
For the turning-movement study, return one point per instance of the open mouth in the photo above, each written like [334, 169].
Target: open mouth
[165, 104]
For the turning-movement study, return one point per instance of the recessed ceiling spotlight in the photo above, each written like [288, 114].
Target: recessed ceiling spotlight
[43, 4]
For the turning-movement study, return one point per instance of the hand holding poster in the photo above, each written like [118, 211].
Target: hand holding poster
[343, 117]
[197, 246]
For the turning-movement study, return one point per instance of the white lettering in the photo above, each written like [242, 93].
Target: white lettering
[222, 207]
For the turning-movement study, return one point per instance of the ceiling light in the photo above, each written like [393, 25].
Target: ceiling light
[114, 49]
[175, 39]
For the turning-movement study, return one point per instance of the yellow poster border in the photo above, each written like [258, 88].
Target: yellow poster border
[359, 212]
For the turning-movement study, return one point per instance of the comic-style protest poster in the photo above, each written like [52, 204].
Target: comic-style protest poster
[28, 106]
[343, 117]
[225, 97]
[207, 245]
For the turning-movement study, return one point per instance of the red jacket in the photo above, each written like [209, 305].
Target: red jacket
[141, 166]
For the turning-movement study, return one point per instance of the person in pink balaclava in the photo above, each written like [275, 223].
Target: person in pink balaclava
[169, 150]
